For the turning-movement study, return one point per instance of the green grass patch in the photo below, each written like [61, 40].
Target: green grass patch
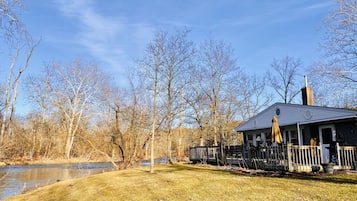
[186, 182]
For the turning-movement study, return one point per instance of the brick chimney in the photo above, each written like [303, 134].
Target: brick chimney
[307, 94]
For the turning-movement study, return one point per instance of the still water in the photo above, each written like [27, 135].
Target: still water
[16, 179]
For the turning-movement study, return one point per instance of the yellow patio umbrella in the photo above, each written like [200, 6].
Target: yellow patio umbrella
[275, 131]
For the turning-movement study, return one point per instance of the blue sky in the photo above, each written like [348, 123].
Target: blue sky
[114, 33]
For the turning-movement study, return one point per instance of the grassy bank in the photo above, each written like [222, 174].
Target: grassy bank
[185, 182]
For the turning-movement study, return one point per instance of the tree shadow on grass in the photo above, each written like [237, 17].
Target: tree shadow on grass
[337, 178]
[176, 167]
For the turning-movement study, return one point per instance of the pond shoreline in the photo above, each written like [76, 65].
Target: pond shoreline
[18, 178]
[49, 161]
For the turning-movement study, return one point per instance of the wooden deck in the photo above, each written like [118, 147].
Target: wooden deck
[280, 157]
[204, 154]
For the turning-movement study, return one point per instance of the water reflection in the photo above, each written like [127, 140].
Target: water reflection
[15, 179]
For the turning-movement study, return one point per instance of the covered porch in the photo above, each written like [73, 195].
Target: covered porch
[309, 137]
[299, 158]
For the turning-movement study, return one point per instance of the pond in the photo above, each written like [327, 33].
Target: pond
[17, 179]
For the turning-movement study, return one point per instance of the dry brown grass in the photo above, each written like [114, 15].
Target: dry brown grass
[185, 182]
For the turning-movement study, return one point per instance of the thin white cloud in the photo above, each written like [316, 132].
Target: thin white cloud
[320, 5]
[105, 38]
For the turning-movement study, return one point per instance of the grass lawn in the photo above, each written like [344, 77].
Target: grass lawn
[188, 182]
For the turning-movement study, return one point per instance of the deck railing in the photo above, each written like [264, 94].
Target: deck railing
[269, 157]
[303, 157]
[347, 156]
[300, 158]
[236, 155]
[203, 154]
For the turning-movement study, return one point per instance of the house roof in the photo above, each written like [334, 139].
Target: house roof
[291, 114]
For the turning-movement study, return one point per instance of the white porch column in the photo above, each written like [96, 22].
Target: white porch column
[254, 139]
[299, 133]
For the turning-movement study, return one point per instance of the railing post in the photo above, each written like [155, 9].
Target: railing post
[321, 153]
[249, 155]
[207, 153]
[338, 155]
[289, 157]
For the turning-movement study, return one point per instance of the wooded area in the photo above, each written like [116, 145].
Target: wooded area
[180, 94]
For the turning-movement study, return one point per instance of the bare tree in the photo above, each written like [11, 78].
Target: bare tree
[20, 47]
[129, 120]
[40, 94]
[10, 25]
[169, 57]
[339, 69]
[149, 71]
[154, 119]
[220, 92]
[76, 88]
[283, 78]
[252, 96]
[219, 71]
[341, 41]
[197, 104]
[177, 53]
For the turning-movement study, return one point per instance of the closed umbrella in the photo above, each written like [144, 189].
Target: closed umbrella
[275, 131]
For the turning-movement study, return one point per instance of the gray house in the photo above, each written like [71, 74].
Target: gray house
[304, 125]
[312, 135]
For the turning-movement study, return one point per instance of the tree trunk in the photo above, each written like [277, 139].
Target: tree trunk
[152, 154]
[73, 127]
[179, 149]
[69, 145]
